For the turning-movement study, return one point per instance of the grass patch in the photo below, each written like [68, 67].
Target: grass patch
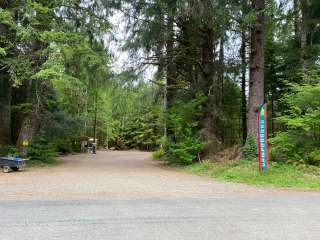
[279, 175]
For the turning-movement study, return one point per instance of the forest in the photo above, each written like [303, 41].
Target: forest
[194, 75]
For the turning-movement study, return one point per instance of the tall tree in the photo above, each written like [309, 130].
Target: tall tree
[209, 86]
[7, 45]
[171, 80]
[256, 82]
[296, 19]
[243, 85]
[39, 19]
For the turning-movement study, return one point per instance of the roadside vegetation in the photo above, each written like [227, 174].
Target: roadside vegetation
[244, 171]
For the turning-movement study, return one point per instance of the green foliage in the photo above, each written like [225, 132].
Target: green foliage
[143, 131]
[9, 151]
[313, 158]
[2, 52]
[228, 114]
[40, 150]
[184, 117]
[6, 18]
[20, 70]
[301, 139]
[185, 146]
[186, 151]
[158, 154]
[61, 132]
[249, 150]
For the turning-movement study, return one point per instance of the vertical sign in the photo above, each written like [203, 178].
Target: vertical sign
[263, 138]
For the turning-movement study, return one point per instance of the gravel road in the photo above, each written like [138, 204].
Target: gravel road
[126, 195]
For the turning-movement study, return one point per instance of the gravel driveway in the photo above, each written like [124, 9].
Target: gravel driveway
[125, 195]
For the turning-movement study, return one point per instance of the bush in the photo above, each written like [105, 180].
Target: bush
[300, 141]
[184, 146]
[10, 151]
[249, 150]
[64, 146]
[284, 147]
[158, 154]
[186, 151]
[313, 158]
[41, 151]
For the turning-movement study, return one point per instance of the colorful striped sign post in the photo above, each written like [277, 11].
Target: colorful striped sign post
[263, 138]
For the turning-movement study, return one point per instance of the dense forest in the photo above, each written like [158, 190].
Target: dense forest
[210, 65]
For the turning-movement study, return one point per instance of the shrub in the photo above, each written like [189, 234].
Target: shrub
[184, 145]
[186, 151]
[10, 151]
[300, 141]
[313, 158]
[249, 150]
[158, 154]
[64, 146]
[40, 150]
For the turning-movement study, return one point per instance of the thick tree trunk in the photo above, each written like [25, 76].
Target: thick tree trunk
[19, 96]
[171, 76]
[221, 69]
[5, 110]
[208, 131]
[28, 131]
[220, 85]
[170, 68]
[256, 83]
[31, 122]
[296, 19]
[303, 40]
[5, 84]
[243, 87]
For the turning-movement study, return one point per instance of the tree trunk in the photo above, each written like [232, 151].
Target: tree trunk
[95, 115]
[31, 123]
[256, 84]
[243, 87]
[221, 69]
[296, 20]
[5, 109]
[303, 40]
[5, 84]
[220, 85]
[272, 114]
[170, 69]
[28, 131]
[208, 124]
[171, 78]
[160, 74]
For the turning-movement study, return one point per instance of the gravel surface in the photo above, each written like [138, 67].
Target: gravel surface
[125, 195]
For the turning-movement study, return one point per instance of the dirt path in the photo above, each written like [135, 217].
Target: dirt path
[127, 173]
[126, 195]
